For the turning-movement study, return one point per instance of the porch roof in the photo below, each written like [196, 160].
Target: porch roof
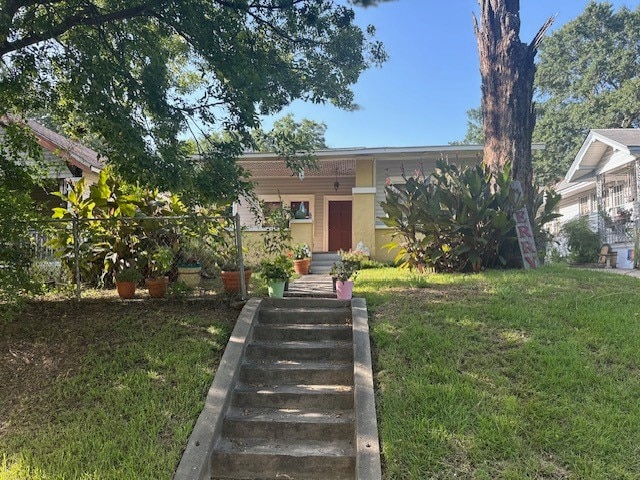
[343, 160]
[592, 158]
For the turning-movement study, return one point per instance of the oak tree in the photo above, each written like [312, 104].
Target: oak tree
[143, 74]
[587, 78]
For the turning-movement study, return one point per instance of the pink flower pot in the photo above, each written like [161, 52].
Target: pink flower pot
[344, 290]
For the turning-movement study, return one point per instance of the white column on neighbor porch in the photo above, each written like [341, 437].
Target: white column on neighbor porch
[600, 202]
[636, 196]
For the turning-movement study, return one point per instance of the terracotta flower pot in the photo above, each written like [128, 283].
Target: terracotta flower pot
[157, 286]
[301, 267]
[231, 280]
[126, 289]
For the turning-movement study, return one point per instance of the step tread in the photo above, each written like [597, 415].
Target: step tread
[297, 448]
[293, 389]
[290, 415]
[338, 308]
[301, 344]
[299, 364]
[307, 326]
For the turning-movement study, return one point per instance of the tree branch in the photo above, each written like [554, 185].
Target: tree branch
[85, 17]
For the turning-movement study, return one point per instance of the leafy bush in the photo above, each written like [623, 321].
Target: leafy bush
[583, 243]
[454, 220]
[120, 225]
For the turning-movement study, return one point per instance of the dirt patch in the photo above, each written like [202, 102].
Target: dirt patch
[48, 340]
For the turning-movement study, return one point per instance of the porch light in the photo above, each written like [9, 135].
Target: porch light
[336, 184]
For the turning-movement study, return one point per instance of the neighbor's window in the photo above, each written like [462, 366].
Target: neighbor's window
[584, 205]
[616, 196]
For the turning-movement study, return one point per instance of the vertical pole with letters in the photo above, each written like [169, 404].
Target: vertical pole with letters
[526, 239]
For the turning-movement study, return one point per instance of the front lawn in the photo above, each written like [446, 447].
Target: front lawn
[105, 389]
[498, 375]
[507, 374]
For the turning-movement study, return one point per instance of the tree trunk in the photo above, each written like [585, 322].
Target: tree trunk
[507, 69]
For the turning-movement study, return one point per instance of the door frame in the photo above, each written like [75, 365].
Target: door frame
[325, 223]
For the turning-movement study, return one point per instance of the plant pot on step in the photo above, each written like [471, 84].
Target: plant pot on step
[157, 286]
[276, 287]
[126, 290]
[231, 280]
[190, 275]
[344, 290]
[301, 266]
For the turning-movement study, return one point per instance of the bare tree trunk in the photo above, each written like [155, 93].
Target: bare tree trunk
[507, 69]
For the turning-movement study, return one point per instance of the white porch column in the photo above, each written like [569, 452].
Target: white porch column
[600, 202]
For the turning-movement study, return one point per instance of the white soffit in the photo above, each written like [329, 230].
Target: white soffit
[589, 159]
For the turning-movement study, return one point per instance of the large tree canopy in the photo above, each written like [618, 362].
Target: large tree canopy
[588, 77]
[141, 74]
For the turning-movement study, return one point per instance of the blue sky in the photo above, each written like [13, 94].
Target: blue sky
[420, 96]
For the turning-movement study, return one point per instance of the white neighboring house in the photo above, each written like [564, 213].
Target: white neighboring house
[603, 183]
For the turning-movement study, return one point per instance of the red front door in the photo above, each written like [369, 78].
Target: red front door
[339, 225]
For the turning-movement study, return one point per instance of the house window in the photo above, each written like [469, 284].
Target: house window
[616, 196]
[299, 213]
[584, 206]
[290, 203]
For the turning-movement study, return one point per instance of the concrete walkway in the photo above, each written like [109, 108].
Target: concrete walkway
[629, 272]
[314, 285]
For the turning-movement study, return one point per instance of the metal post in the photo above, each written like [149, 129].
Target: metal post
[76, 255]
[243, 286]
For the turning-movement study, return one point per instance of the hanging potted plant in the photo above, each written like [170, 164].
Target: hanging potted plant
[301, 258]
[159, 263]
[345, 273]
[276, 272]
[126, 281]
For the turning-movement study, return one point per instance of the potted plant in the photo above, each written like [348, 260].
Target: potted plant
[126, 280]
[301, 258]
[230, 270]
[189, 270]
[276, 272]
[159, 263]
[345, 273]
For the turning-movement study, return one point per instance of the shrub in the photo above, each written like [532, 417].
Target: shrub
[583, 243]
[454, 220]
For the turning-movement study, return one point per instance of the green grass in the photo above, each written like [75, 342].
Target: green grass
[103, 389]
[506, 374]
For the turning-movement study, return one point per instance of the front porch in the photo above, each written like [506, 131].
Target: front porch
[603, 184]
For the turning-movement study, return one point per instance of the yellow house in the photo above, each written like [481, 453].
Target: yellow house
[339, 204]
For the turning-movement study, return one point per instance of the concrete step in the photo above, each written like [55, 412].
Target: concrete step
[321, 351]
[324, 263]
[309, 397]
[302, 332]
[305, 315]
[264, 458]
[297, 373]
[325, 257]
[289, 424]
[319, 270]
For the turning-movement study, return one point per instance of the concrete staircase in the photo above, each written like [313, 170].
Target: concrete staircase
[291, 413]
[292, 397]
[321, 262]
